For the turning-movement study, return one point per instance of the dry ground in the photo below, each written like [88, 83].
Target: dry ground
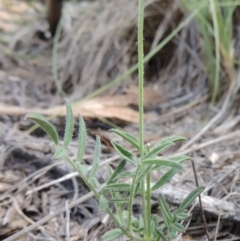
[98, 44]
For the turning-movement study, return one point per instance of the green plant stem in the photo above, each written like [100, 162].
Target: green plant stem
[108, 210]
[117, 208]
[148, 205]
[132, 192]
[217, 49]
[141, 75]
[144, 209]
[146, 198]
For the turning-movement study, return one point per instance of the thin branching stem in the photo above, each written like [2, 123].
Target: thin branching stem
[108, 210]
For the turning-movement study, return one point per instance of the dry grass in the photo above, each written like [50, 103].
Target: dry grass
[98, 43]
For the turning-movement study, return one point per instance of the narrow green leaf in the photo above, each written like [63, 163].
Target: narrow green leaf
[82, 135]
[112, 235]
[125, 174]
[141, 222]
[125, 214]
[60, 152]
[178, 227]
[69, 124]
[189, 199]
[81, 169]
[110, 171]
[128, 137]
[179, 159]
[124, 153]
[160, 234]
[143, 172]
[120, 200]
[163, 145]
[118, 187]
[162, 163]
[137, 188]
[156, 150]
[117, 171]
[45, 125]
[173, 139]
[103, 203]
[135, 225]
[172, 234]
[94, 182]
[182, 216]
[164, 179]
[155, 219]
[165, 208]
[96, 159]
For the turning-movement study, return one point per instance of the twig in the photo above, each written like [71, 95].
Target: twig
[211, 205]
[219, 216]
[35, 225]
[209, 143]
[200, 201]
[67, 220]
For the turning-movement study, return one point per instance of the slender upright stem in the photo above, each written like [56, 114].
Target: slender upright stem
[148, 207]
[217, 49]
[146, 197]
[55, 57]
[141, 75]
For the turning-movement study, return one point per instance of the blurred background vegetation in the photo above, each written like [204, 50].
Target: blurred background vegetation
[189, 45]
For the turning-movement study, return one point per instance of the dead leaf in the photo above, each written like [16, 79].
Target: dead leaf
[150, 95]
[102, 107]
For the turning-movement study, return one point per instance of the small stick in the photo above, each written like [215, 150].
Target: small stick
[200, 201]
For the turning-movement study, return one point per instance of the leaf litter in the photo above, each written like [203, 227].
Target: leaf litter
[96, 46]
